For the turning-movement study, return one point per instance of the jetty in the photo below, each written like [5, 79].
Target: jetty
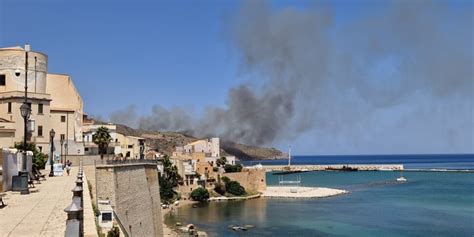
[333, 167]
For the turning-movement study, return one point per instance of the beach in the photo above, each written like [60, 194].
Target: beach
[301, 192]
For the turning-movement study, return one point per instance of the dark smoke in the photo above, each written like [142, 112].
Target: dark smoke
[403, 73]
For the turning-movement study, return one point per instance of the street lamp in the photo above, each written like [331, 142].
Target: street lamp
[25, 113]
[62, 143]
[51, 146]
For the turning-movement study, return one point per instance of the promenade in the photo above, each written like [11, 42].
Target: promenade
[41, 213]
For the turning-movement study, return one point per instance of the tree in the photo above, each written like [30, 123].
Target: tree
[221, 161]
[220, 188]
[234, 188]
[168, 180]
[39, 158]
[232, 168]
[200, 194]
[102, 138]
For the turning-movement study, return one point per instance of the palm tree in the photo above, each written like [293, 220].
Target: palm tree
[102, 138]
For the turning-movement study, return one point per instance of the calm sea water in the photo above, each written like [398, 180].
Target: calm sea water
[429, 204]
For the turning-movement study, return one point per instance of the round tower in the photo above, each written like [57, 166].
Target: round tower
[13, 59]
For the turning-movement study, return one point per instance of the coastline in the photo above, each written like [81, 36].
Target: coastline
[168, 230]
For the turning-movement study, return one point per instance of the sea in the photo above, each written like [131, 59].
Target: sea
[436, 200]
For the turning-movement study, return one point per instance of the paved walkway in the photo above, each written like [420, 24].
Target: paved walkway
[41, 213]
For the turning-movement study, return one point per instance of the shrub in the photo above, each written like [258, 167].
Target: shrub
[225, 179]
[234, 188]
[215, 169]
[200, 194]
[232, 168]
[114, 232]
[220, 188]
[39, 159]
[95, 209]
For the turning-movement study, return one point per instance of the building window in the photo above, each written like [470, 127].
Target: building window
[130, 146]
[63, 118]
[40, 131]
[2, 80]
[40, 108]
[9, 107]
[106, 216]
[63, 137]
[40, 148]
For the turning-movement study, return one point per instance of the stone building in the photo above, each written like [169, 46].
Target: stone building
[54, 101]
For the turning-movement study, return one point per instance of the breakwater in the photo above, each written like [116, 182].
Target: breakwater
[359, 167]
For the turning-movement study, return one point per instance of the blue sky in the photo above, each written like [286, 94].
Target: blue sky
[143, 52]
[175, 53]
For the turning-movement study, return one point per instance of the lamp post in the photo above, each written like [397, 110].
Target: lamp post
[25, 113]
[62, 143]
[51, 150]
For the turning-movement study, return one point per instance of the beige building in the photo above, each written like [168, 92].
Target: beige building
[53, 98]
[131, 145]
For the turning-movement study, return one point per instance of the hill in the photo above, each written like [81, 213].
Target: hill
[165, 142]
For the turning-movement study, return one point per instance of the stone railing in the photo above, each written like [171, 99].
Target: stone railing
[125, 161]
[75, 210]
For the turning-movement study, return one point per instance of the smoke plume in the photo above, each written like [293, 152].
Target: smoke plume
[403, 74]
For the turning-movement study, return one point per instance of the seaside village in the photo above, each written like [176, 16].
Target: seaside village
[65, 174]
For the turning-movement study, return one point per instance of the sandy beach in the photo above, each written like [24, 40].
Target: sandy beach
[301, 192]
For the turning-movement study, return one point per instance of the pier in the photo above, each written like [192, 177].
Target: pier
[334, 167]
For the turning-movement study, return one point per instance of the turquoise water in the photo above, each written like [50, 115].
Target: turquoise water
[429, 204]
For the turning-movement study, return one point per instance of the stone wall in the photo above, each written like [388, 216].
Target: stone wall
[253, 180]
[86, 159]
[133, 190]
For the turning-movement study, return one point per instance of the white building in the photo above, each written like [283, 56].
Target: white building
[211, 147]
[90, 148]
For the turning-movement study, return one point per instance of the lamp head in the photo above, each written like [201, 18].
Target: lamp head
[17, 72]
[25, 110]
[52, 133]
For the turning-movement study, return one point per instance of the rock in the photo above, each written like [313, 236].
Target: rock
[201, 234]
[178, 224]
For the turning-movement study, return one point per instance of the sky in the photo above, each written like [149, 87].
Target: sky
[197, 63]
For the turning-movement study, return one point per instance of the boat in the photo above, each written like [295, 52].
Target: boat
[401, 179]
